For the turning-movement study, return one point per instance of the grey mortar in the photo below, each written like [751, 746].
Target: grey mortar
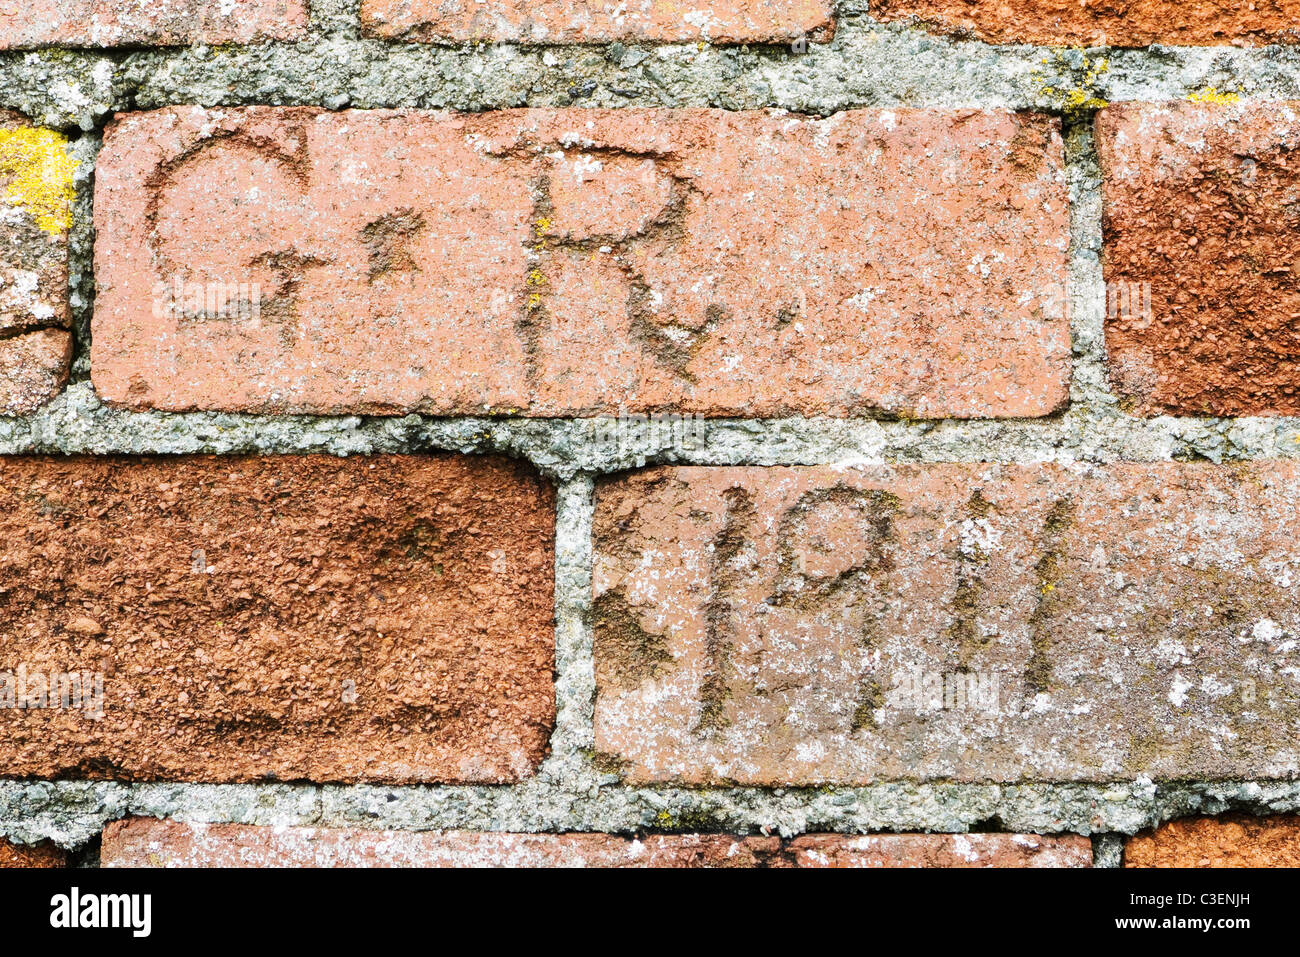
[868, 64]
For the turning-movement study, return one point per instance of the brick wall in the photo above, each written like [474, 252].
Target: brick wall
[780, 434]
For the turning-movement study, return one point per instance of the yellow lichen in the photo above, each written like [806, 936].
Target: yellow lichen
[1212, 95]
[536, 277]
[1080, 98]
[38, 175]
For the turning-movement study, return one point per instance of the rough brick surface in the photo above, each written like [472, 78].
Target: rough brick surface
[33, 368]
[31, 855]
[145, 842]
[941, 850]
[969, 623]
[33, 229]
[107, 23]
[583, 21]
[1201, 221]
[35, 190]
[1234, 841]
[280, 618]
[577, 261]
[1134, 23]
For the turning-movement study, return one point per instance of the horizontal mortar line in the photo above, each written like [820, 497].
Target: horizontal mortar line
[1175, 91]
[89, 408]
[989, 63]
[1049, 427]
[1123, 806]
[545, 102]
[747, 446]
[762, 55]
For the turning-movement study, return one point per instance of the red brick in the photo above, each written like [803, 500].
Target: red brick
[570, 21]
[32, 855]
[1090, 22]
[941, 850]
[144, 842]
[381, 619]
[1233, 841]
[33, 369]
[109, 23]
[35, 211]
[1201, 222]
[758, 264]
[969, 623]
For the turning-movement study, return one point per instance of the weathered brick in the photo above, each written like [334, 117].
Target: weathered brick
[1233, 841]
[1202, 254]
[941, 850]
[107, 23]
[381, 619]
[1090, 22]
[31, 855]
[35, 211]
[145, 842]
[569, 21]
[33, 368]
[561, 262]
[960, 622]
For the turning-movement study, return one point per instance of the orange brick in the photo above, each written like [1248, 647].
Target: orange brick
[33, 369]
[35, 346]
[1202, 256]
[32, 855]
[569, 262]
[941, 850]
[1090, 22]
[145, 842]
[571, 21]
[108, 23]
[958, 623]
[381, 619]
[1233, 841]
